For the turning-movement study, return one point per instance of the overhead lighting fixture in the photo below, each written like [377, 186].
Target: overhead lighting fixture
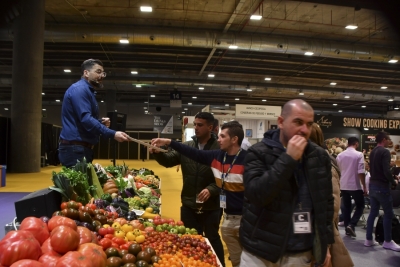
[393, 61]
[383, 87]
[146, 102]
[134, 72]
[332, 83]
[351, 27]
[124, 40]
[237, 99]
[339, 110]
[67, 70]
[152, 95]
[267, 79]
[211, 75]
[249, 90]
[255, 17]
[201, 88]
[346, 96]
[309, 53]
[301, 92]
[264, 100]
[391, 99]
[366, 129]
[146, 111]
[189, 103]
[102, 101]
[233, 47]
[334, 104]
[146, 9]
[138, 85]
[43, 93]
[5, 108]
[57, 100]
[185, 109]
[194, 97]
[396, 107]
[43, 109]
[226, 105]
[363, 106]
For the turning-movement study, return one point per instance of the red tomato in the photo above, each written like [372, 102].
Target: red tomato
[37, 227]
[120, 241]
[47, 248]
[18, 245]
[105, 243]
[95, 253]
[179, 223]
[85, 235]
[110, 230]
[91, 206]
[157, 217]
[103, 231]
[27, 263]
[149, 229]
[63, 205]
[95, 238]
[124, 246]
[109, 236]
[114, 245]
[59, 220]
[74, 259]
[64, 239]
[49, 260]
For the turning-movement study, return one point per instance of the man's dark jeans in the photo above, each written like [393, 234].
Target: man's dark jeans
[207, 224]
[358, 196]
[69, 155]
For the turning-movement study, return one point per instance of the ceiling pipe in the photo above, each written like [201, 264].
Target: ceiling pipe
[213, 39]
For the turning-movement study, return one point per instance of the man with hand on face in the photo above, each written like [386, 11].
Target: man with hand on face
[198, 180]
[288, 202]
[79, 115]
[227, 166]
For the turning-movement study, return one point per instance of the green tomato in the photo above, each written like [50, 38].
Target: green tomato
[173, 231]
[193, 231]
[181, 229]
[159, 228]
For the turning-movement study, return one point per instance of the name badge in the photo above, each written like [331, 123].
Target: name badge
[301, 223]
[222, 201]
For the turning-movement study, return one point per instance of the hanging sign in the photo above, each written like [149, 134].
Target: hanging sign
[257, 112]
[164, 124]
[175, 99]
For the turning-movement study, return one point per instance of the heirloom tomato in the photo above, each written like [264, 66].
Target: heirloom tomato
[37, 227]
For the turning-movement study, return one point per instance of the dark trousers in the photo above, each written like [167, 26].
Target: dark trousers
[69, 155]
[358, 196]
[207, 224]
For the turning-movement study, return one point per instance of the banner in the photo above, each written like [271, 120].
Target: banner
[356, 122]
[257, 112]
[164, 124]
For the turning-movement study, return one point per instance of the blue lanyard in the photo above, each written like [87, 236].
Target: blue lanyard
[224, 175]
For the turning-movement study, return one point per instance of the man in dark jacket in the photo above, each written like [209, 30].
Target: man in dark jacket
[288, 210]
[198, 179]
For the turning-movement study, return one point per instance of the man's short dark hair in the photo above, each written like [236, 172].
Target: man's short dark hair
[215, 123]
[234, 129]
[351, 141]
[380, 136]
[205, 116]
[89, 63]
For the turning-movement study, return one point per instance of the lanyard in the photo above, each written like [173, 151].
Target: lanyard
[224, 175]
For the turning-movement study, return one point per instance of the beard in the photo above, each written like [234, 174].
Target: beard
[96, 83]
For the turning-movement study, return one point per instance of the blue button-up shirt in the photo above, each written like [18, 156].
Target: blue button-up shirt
[79, 115]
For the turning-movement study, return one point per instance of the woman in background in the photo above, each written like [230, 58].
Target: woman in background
[339, 255]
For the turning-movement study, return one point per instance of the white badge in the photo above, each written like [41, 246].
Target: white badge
[301, 223]
[222, 201]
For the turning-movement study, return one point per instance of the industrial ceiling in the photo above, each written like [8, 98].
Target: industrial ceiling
[178, 45]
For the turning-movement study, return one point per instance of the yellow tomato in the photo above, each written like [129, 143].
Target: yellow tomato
[137, 232]
[106, 225]
[140, 239]
[119, 233]
[116, 225]
[149, 210]
[130, 236]
[126, 228]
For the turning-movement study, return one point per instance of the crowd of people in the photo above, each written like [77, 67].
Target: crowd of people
[279, 198]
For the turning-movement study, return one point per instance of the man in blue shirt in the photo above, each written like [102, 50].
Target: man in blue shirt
[79, 115]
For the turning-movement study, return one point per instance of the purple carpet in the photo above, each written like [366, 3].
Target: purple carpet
[7, 209]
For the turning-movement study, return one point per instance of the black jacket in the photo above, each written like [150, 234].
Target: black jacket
[270, 198]
[196, 176]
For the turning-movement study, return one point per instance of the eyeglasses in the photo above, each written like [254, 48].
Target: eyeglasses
[102, 73]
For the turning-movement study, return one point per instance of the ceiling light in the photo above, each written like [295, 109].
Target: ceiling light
[339, 110]
[152, 95]
[390, 99]
[301, 92]
[233, 47]
[383, 87]
[5, 108]
[146, 102]
[57, 100]
[396, 107]
[226, 105]
[332, 83]
[309, 53]
[351, 27]
[43, 109]
[393, 61]
[185, 109]
[366, 129]
[146, 9]
[363, 106]
[146, 111]
[211, 75]
[264, 100]
[102, 101]
[346, 96]
[144, 107]
[249, 90]
[201, 88]
[334, 104]
[194, 97]
[67, 70]
[237, 99]
[138, 85]
[256, 17]
[124, 40]
[43, 93]
[189, 103]
[267, 79]
[134, 72]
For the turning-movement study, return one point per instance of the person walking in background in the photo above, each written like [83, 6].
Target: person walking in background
[379, 192]
[227, 166]
[198, 179]
[340, 256]
[351, 165]
[288, 202]
[81, 127]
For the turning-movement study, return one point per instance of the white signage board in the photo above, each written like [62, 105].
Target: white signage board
[257, 112]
